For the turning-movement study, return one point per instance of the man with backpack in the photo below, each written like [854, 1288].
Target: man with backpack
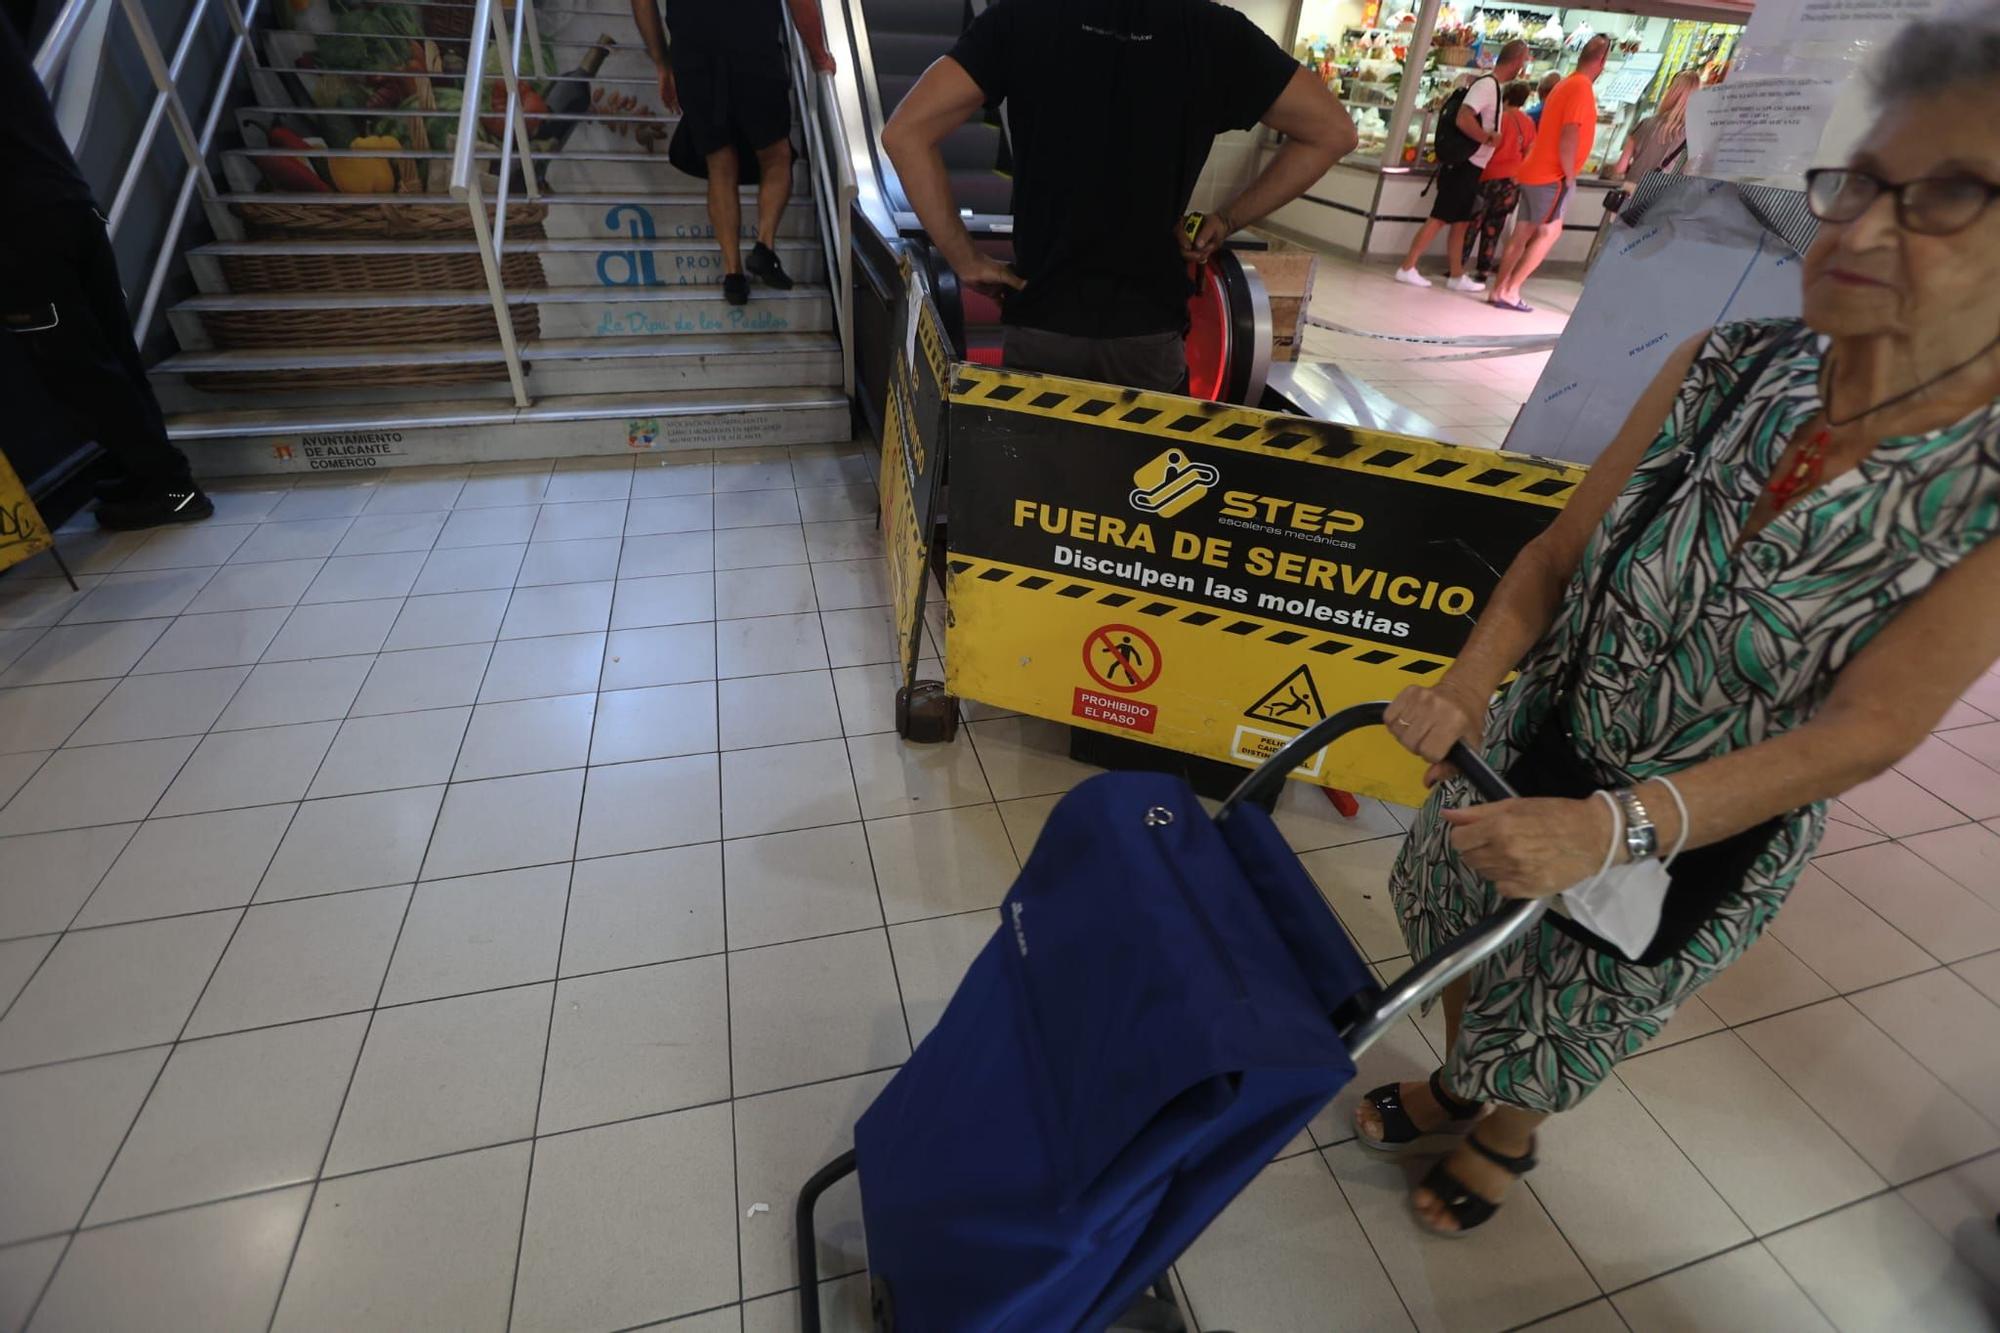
[1468, 129]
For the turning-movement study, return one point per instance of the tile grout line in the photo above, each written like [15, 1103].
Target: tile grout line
[172, 1047]
[367, 1030]
[555, 984]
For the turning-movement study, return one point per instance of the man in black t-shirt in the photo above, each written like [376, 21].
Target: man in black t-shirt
[62, 309]
[1112, 108]
[725, 76]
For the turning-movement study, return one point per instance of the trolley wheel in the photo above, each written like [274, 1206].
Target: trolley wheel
[1343, 801]
[926, 713]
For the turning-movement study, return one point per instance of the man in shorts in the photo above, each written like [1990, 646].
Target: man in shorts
[1548, 176]
[1457, 184]
[725, 75]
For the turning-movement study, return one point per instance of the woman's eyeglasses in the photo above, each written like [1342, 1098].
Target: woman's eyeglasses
[1930, 206]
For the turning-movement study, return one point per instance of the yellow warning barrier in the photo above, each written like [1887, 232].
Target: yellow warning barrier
[1216, 579]
[22, 532]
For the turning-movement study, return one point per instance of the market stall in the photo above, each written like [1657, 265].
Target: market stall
[1394, 62]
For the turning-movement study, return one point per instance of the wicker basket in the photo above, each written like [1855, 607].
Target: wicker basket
[363, 325]
[280, 272]
[1454, 55]
[447, 20]
[383, 221]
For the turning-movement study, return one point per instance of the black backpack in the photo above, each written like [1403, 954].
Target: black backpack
[1452, 144]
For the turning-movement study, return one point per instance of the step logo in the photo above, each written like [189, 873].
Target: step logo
[642, 432]
[1170, 483]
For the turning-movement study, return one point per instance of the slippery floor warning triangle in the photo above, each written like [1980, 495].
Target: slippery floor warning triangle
[1292, 702]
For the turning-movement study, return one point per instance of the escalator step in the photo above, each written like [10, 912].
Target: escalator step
[942, 17]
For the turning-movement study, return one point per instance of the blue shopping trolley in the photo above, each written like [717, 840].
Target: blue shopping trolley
[1165, 1004]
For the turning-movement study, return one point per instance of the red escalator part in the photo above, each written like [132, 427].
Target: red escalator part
[1208, 337]
[985, 356]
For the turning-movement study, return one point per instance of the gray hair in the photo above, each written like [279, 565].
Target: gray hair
[1938, 55]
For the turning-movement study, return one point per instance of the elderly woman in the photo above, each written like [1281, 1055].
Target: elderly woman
[1770, 588]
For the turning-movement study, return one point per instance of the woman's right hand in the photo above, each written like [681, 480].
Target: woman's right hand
[1427, 720]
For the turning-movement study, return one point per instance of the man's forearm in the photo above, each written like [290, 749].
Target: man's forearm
[646, 14]
[1296, 168]
[927, 185]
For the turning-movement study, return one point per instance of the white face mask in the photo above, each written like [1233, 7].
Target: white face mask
[1622, 904]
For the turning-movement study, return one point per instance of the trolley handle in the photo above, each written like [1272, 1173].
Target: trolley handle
[1428, 978]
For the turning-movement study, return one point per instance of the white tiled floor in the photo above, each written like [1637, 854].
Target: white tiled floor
[477, 952]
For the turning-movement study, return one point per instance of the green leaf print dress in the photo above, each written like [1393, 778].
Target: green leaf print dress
[1701, 648]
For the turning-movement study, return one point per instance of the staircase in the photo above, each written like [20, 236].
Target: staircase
[345, 317]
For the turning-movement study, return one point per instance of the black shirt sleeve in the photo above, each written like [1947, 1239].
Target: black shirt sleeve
[986, 48]
[1250, 69]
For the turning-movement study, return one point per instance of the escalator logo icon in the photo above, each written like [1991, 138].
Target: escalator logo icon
[1170, 483]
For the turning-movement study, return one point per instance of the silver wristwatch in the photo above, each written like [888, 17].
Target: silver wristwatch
[1642, 839]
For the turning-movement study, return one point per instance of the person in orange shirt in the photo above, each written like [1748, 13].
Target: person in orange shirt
[1548, 176]
[1498, 190]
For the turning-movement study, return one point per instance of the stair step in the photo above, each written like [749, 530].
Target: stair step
[612, 264]
[259, 115]
[476, 353]
[302, 439]
[579, 167]
[360, 376]
[605, 217]
[295, 319]
[636, 82]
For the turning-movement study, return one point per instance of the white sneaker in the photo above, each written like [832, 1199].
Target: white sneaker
[1465, 283]
[1409, 277]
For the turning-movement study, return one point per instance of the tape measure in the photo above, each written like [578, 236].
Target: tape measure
[1191, 226]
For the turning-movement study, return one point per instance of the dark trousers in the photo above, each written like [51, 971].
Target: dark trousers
[1150, 361]
[1496, 204]
[62, 307]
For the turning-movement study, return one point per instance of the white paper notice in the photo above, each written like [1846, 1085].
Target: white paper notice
[1761, 130]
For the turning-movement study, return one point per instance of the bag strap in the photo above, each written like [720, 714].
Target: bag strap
[1658, 492]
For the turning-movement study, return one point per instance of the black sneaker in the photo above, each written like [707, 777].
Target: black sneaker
[736, 289]
[154, 509]
[763, 262]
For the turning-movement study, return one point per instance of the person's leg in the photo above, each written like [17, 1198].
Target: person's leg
[62, 295]
[1532, 255]
[1454, 248]
[1155, 361]
[1501, 207]
[774, 188]
[1425, 235]
[725, 207]
[1517, 246]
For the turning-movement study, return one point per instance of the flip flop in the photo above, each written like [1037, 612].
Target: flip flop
[1522, 306]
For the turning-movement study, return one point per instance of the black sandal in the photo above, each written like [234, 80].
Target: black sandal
[1399, 1132]
[1469, 1210]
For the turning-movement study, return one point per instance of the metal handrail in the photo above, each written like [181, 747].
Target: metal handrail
[61, 37]
[143, 150]
[834, 191]
[239, 44]
[465, 183]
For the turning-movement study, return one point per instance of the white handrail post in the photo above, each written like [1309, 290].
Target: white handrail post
[517, 120]
[142, 151]
[465, 186]
[497, 290]
[163, 81]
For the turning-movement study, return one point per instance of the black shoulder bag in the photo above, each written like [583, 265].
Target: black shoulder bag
[1702, 878]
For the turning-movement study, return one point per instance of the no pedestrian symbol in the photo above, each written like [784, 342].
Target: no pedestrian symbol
[1121, 658]
[1292, 702]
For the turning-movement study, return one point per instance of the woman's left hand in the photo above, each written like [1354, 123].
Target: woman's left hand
[1532, 847]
